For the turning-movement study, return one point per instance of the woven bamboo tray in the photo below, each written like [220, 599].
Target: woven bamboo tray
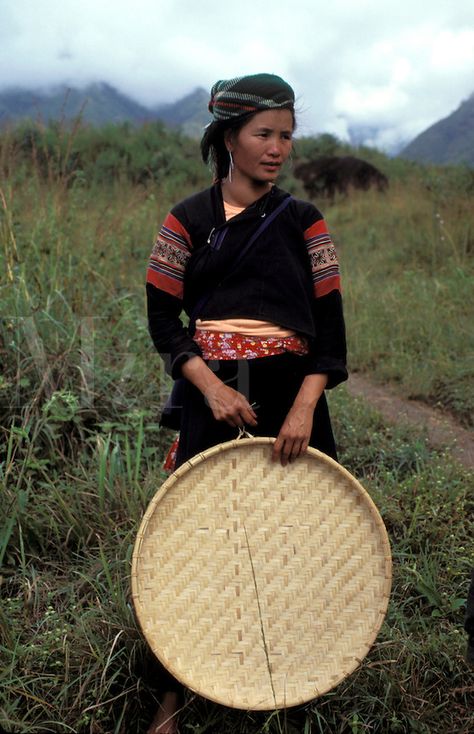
[258, 586]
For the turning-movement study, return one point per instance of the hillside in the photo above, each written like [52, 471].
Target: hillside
[99, 104]
[450, 140]
[189, 113]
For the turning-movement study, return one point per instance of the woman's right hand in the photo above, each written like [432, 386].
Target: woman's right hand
[230, 406]
[226, 403]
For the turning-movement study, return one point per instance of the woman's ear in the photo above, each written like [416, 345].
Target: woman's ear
[229, 140]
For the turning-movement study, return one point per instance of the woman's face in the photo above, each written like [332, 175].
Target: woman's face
[262, 145]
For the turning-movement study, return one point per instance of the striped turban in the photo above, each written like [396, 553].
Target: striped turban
[243, 95]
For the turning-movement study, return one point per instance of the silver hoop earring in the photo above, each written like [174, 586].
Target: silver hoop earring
[231, 167]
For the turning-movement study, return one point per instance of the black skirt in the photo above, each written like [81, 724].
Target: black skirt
[270, 384]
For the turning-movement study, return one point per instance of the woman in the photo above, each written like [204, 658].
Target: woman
[268, 336]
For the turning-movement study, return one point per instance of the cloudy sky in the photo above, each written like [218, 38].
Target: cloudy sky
[394, 66]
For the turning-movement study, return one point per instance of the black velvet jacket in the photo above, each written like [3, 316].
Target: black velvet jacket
[272, 282]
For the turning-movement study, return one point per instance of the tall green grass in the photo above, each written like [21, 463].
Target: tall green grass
[81, 452]
[408, 272]
[74, 660]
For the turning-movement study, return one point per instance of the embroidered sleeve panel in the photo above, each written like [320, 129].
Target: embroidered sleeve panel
[169, 257]
[323, 259]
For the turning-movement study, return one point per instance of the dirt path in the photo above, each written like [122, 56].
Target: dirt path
[442, 430]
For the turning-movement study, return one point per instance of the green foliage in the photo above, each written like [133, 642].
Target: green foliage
[74, 660]
[325, 144]
[407, 258]
[87, 155]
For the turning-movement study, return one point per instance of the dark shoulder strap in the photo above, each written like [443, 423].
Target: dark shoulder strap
[267, 221]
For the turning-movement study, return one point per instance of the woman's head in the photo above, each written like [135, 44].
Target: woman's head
[233, 103]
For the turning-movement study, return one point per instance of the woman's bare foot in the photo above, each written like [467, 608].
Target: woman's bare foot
[165, 721]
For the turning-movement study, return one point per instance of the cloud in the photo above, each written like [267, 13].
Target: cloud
[392, 65]
[400, 80]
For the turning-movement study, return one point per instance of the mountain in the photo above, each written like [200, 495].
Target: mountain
[450, 140]
[189, 113]
[99, 104]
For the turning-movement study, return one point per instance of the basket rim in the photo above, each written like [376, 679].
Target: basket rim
[242, 443]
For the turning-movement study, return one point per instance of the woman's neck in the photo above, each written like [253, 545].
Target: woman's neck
[244, 193]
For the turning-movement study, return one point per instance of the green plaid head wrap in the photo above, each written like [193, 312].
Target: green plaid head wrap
[243, 95]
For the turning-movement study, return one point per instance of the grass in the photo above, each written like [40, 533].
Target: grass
[81, 453]
[74, 660]
[408, 264]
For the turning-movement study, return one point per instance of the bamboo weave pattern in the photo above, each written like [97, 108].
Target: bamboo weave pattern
[259, 586]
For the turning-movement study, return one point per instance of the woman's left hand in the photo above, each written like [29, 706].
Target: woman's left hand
[293, 439]
[295, 433]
